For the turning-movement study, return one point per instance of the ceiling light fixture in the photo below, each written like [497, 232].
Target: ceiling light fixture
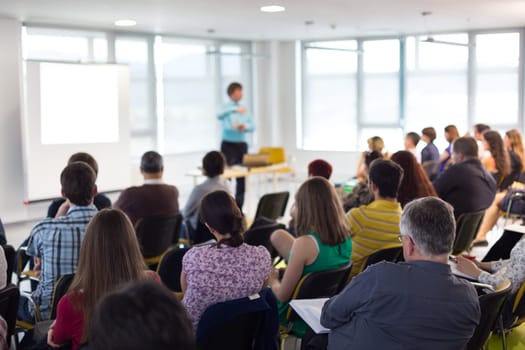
[125, 23]
[272, 8]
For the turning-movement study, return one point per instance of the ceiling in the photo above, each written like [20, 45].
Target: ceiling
[241, 19]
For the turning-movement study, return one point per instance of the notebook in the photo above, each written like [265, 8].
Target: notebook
[310, 311]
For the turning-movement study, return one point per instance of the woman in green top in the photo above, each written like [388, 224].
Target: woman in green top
[322, 243]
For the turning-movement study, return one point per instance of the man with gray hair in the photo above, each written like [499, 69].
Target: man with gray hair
[417, 304]
[154, 197]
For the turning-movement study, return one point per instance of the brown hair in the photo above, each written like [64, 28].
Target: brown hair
[430, 132]
[109, 257]
[452, 132]
[232, 87]
[320, 210]
[415, 182]
[213, 163]
[498, 151]
[467, 146]
[78, 183]
[516, 145]
[219, 210]
[86, 158]
[320, 167]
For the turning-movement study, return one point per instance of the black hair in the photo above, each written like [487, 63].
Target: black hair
[371, 156]
[142, 315]
[466, 146]
[78, 183]
[387, 176]
[219, 210]
[232, 87]
[151, 162]
[213, 163]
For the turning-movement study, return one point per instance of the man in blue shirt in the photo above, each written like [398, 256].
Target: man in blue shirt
[417, 304]
[55, 242]
[235, 123]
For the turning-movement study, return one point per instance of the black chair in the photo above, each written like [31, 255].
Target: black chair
[170, 268]
[201, 233]
[10, 257]
[388, 254]
[467, 226]
[9, 297]
[61, 287]
[272, 205]
[241, 324]
[322, 284]
[261, 236]
[156, 234]
[491, 305]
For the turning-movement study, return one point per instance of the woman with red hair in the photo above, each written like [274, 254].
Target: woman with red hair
[415, 183]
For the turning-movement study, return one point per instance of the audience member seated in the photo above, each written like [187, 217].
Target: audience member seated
[430, 152]
[411, 141]
[141, 316]
[320, 167]
[376, 226]
[154, 197]
[514, 145]
[322, 243]
[479, 129]
[451, 134]
[361, 194]
[55, 243]
[466, 185]
[375, 143]
[213, 165]
[230, 269]
[100, 201]
[417, 304]
[3, 334]
[109, 257]
[415, 183]
[498, 164]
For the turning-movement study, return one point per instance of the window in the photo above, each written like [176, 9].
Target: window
[329, 95]
[189, 74]
[497, 75]
[134, 52]
[436, 84]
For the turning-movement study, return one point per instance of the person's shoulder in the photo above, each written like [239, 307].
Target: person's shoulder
[256, 250]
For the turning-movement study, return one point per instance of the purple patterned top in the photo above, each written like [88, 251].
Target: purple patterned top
[214, 275]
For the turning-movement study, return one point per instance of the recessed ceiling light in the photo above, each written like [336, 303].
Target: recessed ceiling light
[125, 23]
[272, 8]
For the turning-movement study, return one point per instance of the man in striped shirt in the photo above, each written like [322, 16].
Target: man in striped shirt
[55, 242]
[376, 226]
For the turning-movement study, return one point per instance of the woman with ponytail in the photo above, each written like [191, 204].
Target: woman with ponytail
[227, 270]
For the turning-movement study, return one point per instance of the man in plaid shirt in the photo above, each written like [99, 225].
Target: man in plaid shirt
[55, 242]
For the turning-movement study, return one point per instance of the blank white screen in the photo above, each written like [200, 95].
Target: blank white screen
[79, 104]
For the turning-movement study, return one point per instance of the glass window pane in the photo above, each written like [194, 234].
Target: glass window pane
[100, 50]
[424, 55]
[329, 114]
[381, 82]
[381, 56]
[497, 98]
[329, 60]
[498, 50]
[231, 61]
[141, 144]
[135, 53]
[59, 48]
[190, 122]
[393, 138]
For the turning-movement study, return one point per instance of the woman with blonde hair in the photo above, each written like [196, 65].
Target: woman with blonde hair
[323, 241]
[514, 144]
[109, 257]
[375, 143]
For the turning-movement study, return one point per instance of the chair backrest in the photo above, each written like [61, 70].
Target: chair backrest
[388, 254]
[170, 268]
[272, 205]
[9, 297]
[518, 307]
[467, 226]
[491, 305]
[61, 287]
[10, 257]
[244, 324]
[157, 233]
[321, 284]
[261, 236]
